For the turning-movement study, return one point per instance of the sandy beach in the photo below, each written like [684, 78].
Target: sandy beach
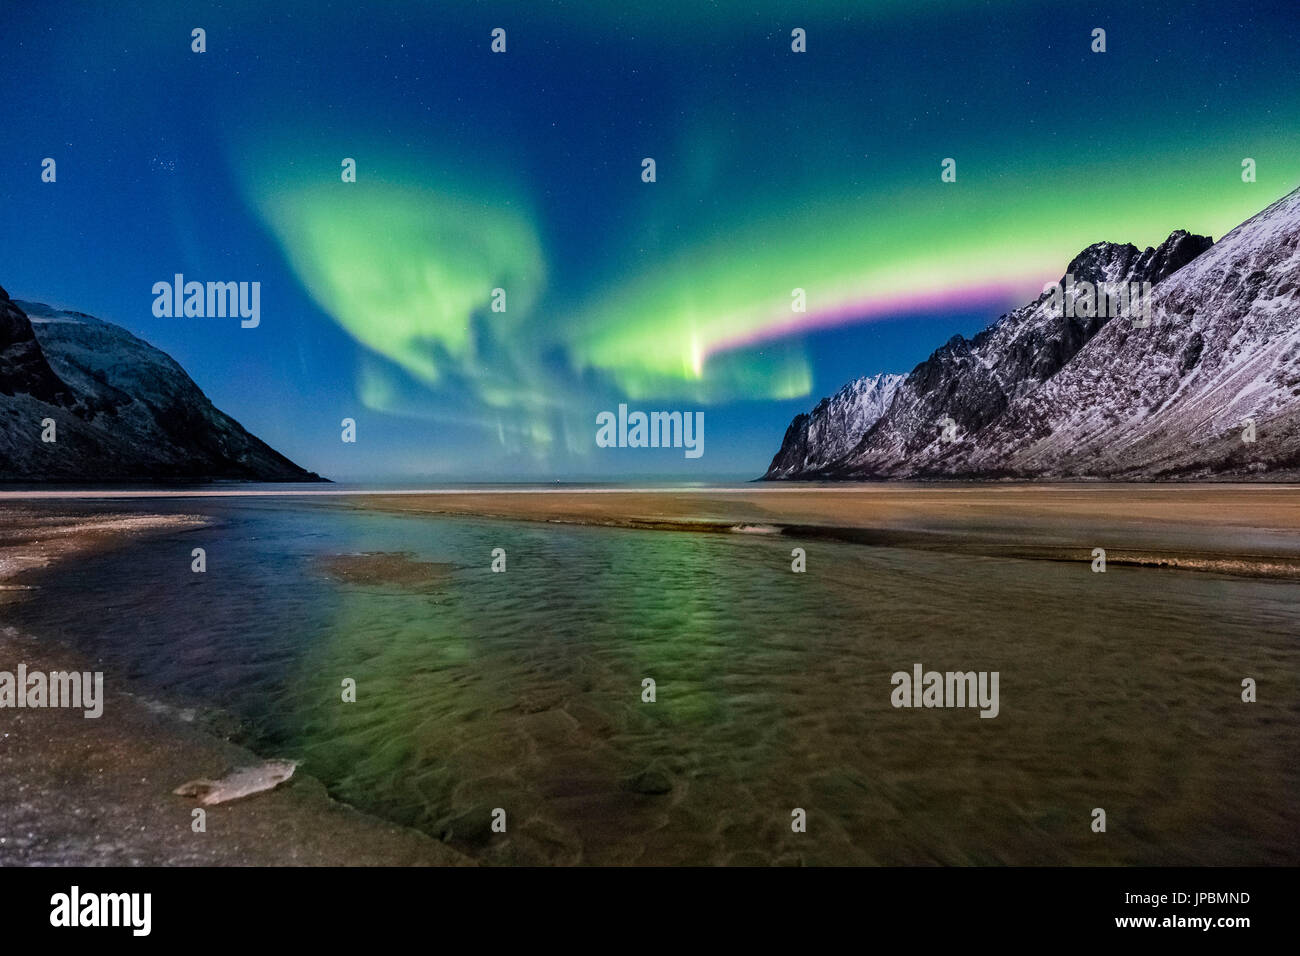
[1226, 528]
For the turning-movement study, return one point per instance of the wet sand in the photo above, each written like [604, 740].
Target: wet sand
[380, 568]
[80, 791]
[1224, 528]
[32, 540]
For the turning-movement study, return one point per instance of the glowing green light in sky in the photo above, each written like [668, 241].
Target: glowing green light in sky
[405, 268]
[406, 261]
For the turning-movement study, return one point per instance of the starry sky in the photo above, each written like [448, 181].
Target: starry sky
[522, 170]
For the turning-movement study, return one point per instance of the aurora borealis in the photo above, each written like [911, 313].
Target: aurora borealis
[521, 171]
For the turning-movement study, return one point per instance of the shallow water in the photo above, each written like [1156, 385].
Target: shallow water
[523, 690]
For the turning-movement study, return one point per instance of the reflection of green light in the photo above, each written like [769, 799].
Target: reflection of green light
[364, 748]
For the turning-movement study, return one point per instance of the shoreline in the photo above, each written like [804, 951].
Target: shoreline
[1238, 530]
[98, 792]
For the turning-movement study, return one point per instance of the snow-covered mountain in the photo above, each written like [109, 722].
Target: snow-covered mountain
[1040, 395]
[123, 410]
[835, 426]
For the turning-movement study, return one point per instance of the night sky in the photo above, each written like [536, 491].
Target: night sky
[775, 170]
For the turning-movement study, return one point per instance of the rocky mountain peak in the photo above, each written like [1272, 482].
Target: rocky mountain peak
[123, 410]
[837, 424]
[23, 366]
[1039, 394]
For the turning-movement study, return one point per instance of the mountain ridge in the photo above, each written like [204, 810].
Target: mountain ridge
[1040, 395]
[123, 410]
[836, 424]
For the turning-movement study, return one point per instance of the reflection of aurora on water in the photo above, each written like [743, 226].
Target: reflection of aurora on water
[524, 689]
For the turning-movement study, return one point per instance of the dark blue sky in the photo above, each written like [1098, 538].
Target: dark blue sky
[522, 170]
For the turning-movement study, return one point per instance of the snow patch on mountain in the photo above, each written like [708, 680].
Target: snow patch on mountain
[123, 410]
[835, 426]
[1042, 395]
